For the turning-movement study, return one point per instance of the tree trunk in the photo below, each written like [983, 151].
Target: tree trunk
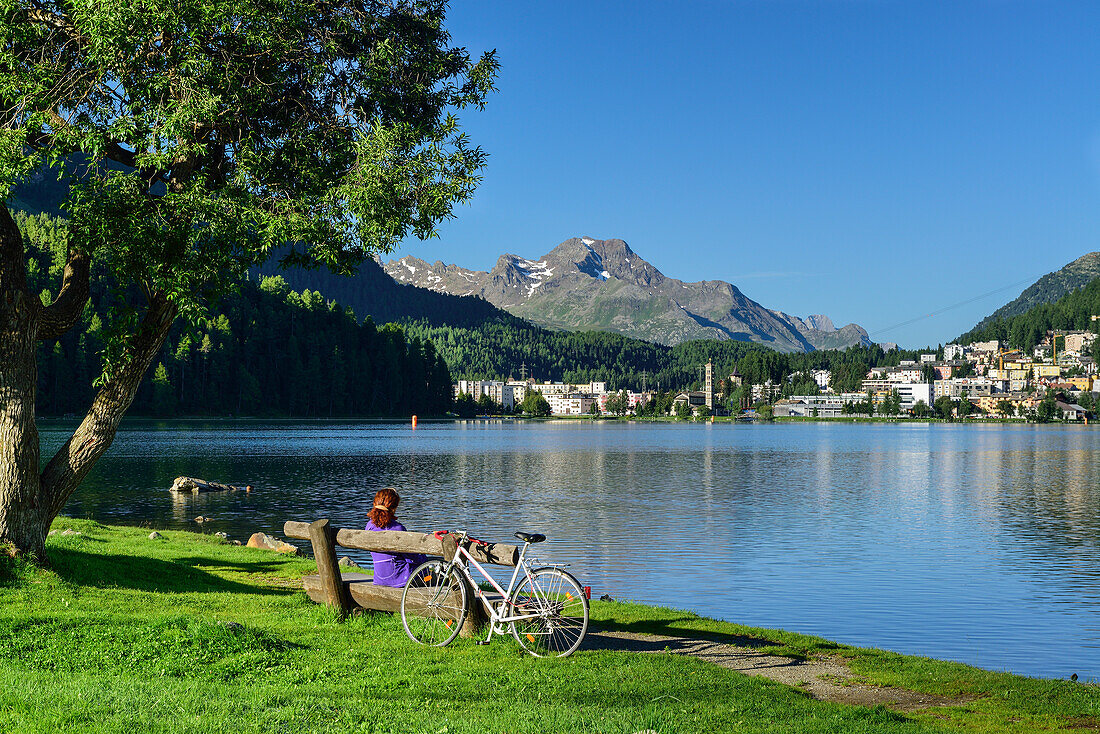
[23, 515]
[29, 501]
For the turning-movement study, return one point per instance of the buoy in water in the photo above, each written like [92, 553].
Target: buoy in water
[414, 421]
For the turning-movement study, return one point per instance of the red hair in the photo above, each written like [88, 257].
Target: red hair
[385, 504]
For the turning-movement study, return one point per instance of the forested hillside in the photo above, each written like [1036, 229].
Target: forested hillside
[1024, 331]
[498, 350]
[372, 292]
[269, 351]
[1048, 289]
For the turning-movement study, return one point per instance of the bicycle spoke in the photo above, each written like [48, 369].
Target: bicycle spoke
[561, 612]
[433, 605]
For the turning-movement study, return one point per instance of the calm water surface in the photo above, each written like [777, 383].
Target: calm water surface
[972, 543]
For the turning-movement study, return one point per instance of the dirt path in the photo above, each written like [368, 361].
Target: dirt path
[824, 678]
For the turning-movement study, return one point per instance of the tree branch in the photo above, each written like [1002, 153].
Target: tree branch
[72, 462]
[60, 316]
[45, 17]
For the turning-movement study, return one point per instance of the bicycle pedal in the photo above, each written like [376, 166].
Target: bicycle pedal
[481, 642]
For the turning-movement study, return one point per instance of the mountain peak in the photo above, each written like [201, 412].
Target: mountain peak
[820, 322]
[603, 285]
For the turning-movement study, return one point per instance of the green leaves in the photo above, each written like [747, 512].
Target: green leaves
[211, 133]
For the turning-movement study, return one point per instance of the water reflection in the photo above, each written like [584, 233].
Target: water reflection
[976, 543]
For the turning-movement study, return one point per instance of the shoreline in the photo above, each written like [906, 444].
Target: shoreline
[181, 590]
[141, 420]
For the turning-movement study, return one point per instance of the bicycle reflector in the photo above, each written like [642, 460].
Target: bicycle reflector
[588, 593]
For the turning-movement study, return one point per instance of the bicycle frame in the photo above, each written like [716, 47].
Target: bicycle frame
[462, 561]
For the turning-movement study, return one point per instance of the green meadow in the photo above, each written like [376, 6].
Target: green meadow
[190, 634]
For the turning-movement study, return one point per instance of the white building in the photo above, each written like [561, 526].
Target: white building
[811, 406]
[973, 387]
[767, 392]
[499, 392]
[990, 347]
[912, 392]
[565, 388]
[519, 391]
[908, 392]
[570, 403]
[954, 351]
[822, 378]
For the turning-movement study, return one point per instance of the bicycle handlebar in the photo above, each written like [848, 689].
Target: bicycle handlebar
[462, 536]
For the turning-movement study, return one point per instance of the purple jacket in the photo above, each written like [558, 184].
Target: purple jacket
[393, 569]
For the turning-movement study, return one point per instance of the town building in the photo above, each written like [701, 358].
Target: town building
[570, 403]
[1071, 411]
[1079, 341]
[634, 400]
[695, 398]
[767, 392]
[953, 352]
[972, 387]
[500, 392]
[811, 406]
[908, 392]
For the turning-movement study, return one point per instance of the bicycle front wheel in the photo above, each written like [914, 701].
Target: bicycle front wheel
[559, 613]
[433, 605]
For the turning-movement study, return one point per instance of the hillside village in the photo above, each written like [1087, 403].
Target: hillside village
[1056, 381]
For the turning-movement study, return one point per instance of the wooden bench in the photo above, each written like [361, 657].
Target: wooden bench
[350, 591]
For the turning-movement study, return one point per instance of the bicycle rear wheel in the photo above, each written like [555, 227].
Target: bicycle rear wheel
[434, 604]
[562, 613]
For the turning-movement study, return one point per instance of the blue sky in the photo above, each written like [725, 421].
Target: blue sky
[872, 160]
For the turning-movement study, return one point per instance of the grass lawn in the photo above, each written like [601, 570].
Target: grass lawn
[128, 634]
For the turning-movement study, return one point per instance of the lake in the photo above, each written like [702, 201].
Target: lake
[977, 543]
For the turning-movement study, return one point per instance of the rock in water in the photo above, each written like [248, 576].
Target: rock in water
[155, 535]
[190, 485]
[265, 541]
[223, 536]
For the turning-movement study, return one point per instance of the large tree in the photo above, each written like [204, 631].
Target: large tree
[207, 137]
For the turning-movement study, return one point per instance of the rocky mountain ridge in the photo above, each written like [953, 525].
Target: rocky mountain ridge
[603, 285]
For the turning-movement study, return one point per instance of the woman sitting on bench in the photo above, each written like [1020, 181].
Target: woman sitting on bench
[390, 569]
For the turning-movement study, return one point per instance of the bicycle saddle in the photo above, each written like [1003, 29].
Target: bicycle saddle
[531, 537]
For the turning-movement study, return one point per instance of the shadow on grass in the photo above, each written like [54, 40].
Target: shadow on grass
[253, 567]
[664, 627]
[148, 574]
[731, 652]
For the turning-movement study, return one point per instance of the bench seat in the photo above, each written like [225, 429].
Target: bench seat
[362, 591]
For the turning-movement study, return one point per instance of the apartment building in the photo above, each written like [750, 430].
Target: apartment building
[570, 403]
[908, 392]
[500, 392]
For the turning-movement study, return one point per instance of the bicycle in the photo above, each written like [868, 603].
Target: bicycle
[547, 612]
